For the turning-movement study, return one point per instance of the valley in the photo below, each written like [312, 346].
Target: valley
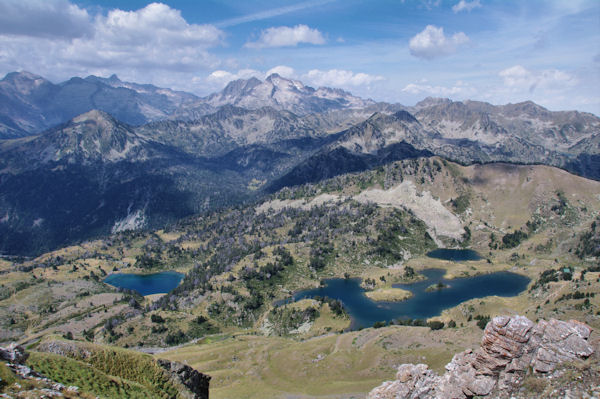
[317, 199]
[376, 225]
[151, 172]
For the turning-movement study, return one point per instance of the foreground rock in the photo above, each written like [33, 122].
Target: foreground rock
[196, 383]
[513, 350]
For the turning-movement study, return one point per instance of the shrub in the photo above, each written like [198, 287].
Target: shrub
[379, 324]
[513, 239]
[435, 325]
[482, 321]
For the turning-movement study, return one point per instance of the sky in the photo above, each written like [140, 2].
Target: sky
[498, 51]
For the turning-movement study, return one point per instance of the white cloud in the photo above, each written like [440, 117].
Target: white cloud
[432, 43]
[284, 36]
[220, 78]
[459, 89]
[339, 78]
[157, 23]
[43, 18]
[464, 5]
[332, 78]
[518, 78]
[282, 70]
[152, 40]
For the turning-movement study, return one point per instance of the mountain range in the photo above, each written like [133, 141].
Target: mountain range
[107, 155]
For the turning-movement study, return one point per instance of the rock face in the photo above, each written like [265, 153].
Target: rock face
[195, 382]
[509, 348]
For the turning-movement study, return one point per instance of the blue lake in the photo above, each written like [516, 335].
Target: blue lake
[364, 312]
[146, 284]
[455, 255]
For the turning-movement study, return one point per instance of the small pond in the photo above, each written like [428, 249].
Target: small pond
[423, 304]
[455, 255]
[146, 284]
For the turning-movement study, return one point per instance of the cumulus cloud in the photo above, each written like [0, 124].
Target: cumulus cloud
[157, 23]
[340, 78]
[282, 70]
[43, 18]
[220, 78]
[433, 43]
[332, 78]
[285, 36]
[520, 78]
[152, 40]
[464, 5]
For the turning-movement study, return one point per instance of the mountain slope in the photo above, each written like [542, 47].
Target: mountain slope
[469, 132]
[95, 174]
[284, 94]
[497, 124]
[30, 104]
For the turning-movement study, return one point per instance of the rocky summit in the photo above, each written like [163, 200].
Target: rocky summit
[513, 352]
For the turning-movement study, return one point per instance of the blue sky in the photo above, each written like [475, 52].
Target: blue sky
[389, 50]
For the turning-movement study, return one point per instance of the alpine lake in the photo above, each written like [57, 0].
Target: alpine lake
[146, 284]
[424, 302]
[364, 312]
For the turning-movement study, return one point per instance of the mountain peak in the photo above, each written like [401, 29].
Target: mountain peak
[93, 136]
[21, 75]
[286, 94]
[287, 84]
[405, 116]
[432, 101]
[274, 76]
[94, 115]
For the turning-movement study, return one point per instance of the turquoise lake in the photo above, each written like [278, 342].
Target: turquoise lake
[146, 284]
[364, 312]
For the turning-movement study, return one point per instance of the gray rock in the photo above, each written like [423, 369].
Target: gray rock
[14, 353]
[195, 383]
[509, 346]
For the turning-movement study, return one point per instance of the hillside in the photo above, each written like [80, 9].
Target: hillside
[376, 225]
[97, 175]
[66, 368]
[31, 104]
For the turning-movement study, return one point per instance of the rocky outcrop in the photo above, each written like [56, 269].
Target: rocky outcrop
[13, 353]
[510, 348]
[196, 383]
[39, 386]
